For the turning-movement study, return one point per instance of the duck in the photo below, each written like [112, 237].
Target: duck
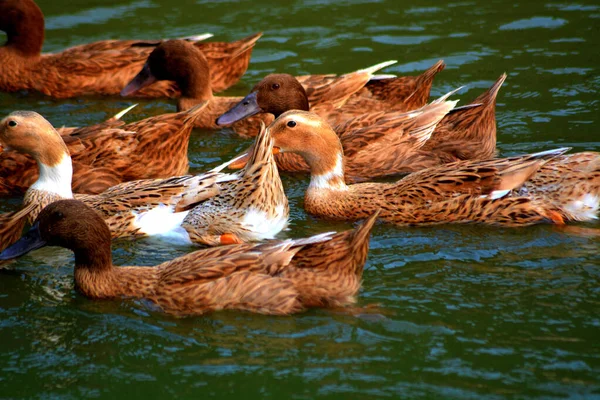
[184, 63]
[103, 155]
[516, 191]
[464, 133]
[278, 278]
[337, 99]
[99, 68]
[212, 208]
[381, 144]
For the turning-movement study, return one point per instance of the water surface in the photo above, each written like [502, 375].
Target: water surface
[445, 312]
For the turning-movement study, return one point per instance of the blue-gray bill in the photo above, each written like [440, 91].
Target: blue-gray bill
[244, 109]
[30, 241]
[141, 80]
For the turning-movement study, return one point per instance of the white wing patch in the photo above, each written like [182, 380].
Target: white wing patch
[263, 225]
[584, 209]
[163, 222]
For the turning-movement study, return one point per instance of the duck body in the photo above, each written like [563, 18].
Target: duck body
[251, 208]
[272, 278]
[507, 192]
[106, 154]
[97, 68]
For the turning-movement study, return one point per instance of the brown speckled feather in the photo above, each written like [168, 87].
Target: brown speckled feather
[273, 278]
[12, 224]
[118, 206]
[470, 133]
[403, 93]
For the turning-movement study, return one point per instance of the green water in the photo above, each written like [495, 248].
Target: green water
[449, 312]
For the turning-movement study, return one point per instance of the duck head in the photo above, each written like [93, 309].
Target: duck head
[179, 61]
[69, 224]
[23, 22]
[275, 94]
[30, 133]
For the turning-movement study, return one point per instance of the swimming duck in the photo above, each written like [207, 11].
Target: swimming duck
[381, 144]
[96, 68]
[212, 209]
[337, 99]
[103, 155]
[492, 192]
[271, 278]
[464, 133]
[182, 62]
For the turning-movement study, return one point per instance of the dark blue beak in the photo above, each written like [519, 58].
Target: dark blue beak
[244, 109]
[30, 241]
[140, 81]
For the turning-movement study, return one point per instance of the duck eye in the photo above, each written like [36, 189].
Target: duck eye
[59, 215]
[12, 123]
[275, 86]
[291, 124]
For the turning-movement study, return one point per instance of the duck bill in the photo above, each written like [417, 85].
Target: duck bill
[241, 162]
[142, 79]
[244, 109]
[32, 240]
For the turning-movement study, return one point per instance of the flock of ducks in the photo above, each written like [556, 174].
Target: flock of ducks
[114, 180]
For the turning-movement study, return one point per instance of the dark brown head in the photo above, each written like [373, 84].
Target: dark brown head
[179, 61]
[69, 224]
[275, 94]
[23, 22]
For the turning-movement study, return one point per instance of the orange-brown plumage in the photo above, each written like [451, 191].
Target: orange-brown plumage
[97, 68]
[469, 133]
[272, 278]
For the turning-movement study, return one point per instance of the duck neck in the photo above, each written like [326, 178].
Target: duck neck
[55, 176]
[96, 277]
[326, 168]
[195, 85]
[26, 34]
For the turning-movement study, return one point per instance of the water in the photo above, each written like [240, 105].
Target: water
[445, 312]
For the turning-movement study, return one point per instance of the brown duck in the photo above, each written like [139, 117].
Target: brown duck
[505, 191]
[103, 155]
[273, 278]
[336, 99]
[97, 68]
[465, 133]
